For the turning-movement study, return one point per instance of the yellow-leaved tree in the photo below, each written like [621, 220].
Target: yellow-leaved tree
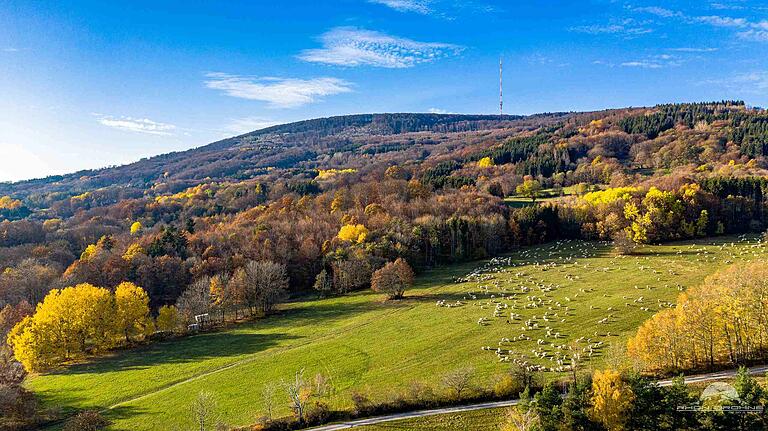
[136, 228]
[72, 322]
[133, 251]
[168, 318]
[67, 324]
[485, 162]
[530, 188]
[611, 399]
[354, 233]
[132, 312]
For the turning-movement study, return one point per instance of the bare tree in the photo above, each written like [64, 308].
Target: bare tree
[204, 410]
[518, 420]
[298, 391]
[323, 385]
[459, 380]
[196, 299]
[262, 284]
[268, 393]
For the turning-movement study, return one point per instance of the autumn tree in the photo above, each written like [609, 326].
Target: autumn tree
[485, 162]
[132, 311]
[611, 399]
[221, 294]
[323, 284]
[67, 324]
[722, 321]
[261, 285]
[353, 233]
[518, 418]
[168, 318]
[530, 188]
[393, 279]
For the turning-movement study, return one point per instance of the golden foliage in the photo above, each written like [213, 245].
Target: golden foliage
[168, 318]
[136, 228]
[610, 195]
[720, 321]
[132, 311]
[133, 251]
[325, 174]
[611, 399]
[485, 162]
[353, 233]
[9, 203]
[73, 321]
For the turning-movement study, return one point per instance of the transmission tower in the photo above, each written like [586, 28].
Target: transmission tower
[501, 91]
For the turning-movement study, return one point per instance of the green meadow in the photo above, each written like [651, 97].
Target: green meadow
[476, 420]
[363, 342]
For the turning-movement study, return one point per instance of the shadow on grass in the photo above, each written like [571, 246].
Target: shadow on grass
[327, 311]
[192, 348]
[661, 253]
[117, 414]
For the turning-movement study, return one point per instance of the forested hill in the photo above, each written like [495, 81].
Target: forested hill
[282, 146]
[333, 199]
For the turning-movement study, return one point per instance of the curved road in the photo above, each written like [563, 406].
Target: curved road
[698, 378]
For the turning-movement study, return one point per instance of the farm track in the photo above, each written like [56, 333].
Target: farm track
[698, 378]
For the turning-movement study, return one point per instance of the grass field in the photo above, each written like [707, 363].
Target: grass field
[546, 195]
[476, 420]
[361, 341]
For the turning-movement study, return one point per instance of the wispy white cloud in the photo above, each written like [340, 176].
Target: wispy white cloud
[438, 111]
[417, 6]
[10, 49]
[137, 125]
[752, 30]
[725, 6]
[691, 49]
[446, 9]
[238, 126]
[659, 11]
[611, 29]
[755, 82]
[650, 62]
[753, 35]
[277, 92]
[350, 46]
[645, 64]
[722, 21]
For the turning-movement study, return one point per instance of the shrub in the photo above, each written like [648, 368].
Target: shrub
[318, 413]
[421, 393]
[458, 381]
[361, 404]
[89, 420]
[507, 386]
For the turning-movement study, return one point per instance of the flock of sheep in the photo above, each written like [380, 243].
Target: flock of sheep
[514, 291]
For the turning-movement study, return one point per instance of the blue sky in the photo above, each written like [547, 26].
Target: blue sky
[86, 84]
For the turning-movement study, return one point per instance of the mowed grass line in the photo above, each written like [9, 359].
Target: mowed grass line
[364, 342]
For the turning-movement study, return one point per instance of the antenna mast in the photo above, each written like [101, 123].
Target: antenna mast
[501, 94]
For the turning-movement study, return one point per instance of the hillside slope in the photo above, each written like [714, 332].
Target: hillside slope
[282, 146]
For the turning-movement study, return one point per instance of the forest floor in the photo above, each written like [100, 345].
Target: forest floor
[363, 342]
